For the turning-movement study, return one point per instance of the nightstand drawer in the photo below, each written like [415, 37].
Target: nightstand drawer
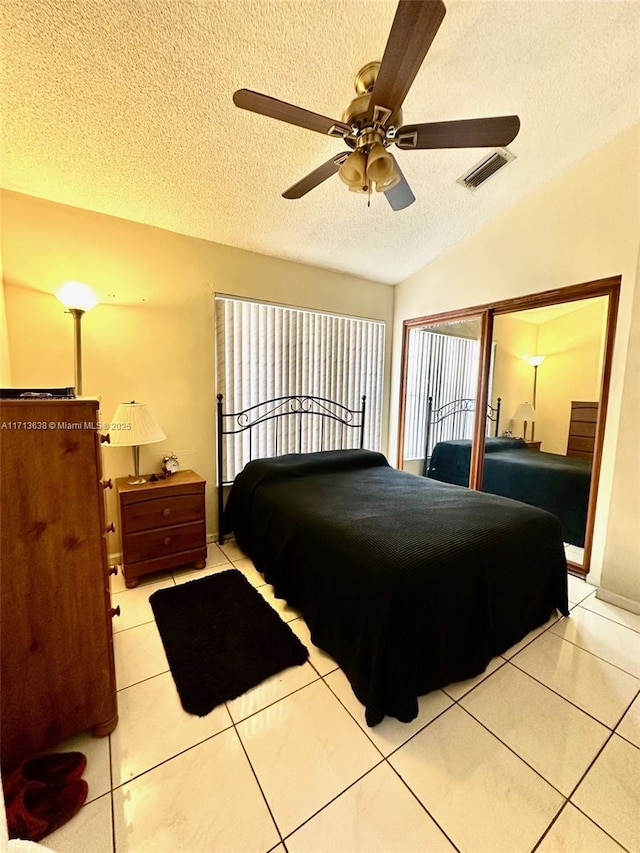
[162, 512]
[150, 544]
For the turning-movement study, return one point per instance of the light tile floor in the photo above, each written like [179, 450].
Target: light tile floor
[541, 752]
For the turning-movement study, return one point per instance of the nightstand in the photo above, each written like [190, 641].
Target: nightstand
[534, 445]
[162, 525]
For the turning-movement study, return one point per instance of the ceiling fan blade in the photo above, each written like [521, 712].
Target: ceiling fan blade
[467, 133]
[401, 195]
[272, 107]
[414, 28]
[313, 179]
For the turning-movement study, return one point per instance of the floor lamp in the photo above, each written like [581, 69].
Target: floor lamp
[535, 361]
[77, 298]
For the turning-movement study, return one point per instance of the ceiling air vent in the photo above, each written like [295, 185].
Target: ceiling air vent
[487, 167]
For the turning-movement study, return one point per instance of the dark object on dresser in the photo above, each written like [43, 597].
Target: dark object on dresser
[37, 393]
[408, 583]
[57, 670]
[221, 638]
[162, 524]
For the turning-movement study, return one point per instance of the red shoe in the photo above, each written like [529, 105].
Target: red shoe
[40, 809]
[48, 768]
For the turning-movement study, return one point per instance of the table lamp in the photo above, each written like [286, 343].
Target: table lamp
[133, 425]
[525, 412]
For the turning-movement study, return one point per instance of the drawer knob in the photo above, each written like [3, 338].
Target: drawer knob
[107, 484]
[105, 439]
[111, 528]
[115, 611]
[166, 511]
[167, 540]
[113, 570]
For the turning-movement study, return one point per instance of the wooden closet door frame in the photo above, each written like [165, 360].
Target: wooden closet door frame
[609, 287]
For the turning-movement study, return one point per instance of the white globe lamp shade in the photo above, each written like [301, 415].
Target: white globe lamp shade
[75, 294]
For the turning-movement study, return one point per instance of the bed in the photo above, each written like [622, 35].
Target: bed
[558, 484]
[408, 583]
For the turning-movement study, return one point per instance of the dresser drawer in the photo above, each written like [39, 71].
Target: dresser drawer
[151, 544]
[162, 512]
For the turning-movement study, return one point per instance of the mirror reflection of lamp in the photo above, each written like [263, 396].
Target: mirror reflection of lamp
[525, 412]
[77, 298]
[535, 361]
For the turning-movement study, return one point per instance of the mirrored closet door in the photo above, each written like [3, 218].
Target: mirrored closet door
[548, 370]
[511, 398]
[442, 371]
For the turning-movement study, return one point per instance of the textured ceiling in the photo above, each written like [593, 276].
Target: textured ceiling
[124, 107]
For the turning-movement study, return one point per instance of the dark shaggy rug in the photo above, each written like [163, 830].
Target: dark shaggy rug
[221, 638]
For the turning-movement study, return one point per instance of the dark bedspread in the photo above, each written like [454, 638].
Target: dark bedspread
[558, 484]
[451, 460]
[408, 583]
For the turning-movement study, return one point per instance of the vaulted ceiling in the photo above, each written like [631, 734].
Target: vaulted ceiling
[125, 107]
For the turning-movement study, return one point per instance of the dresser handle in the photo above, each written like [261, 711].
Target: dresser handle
[111, 528]
[107, 484]
[167, 540]
[105, 439]
[166, 511]
[113, 570]
[115, 611]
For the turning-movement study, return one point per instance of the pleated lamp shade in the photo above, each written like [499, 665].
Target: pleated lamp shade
[524, 412]
[133, 424]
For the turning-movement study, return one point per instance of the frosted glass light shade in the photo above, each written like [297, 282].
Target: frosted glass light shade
[536, 360]
[133, 424]
[75, 294]
[379, 164]
[353, 171]
[524, 412]
[388, 183]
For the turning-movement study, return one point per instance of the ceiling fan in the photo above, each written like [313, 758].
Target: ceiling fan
[373, 120]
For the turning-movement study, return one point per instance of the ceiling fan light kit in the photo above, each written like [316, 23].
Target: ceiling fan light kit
[362, 169]
[372, 122]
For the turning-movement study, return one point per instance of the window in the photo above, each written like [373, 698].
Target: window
[265, 351]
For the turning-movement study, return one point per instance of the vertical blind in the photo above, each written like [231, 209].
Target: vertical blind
[264, 351]
[446, 368]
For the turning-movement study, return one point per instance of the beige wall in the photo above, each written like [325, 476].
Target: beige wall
[512, 376]
[621, 565]
[571, 370]
[582, 226]
[572, 345]
[5, 367]
[160, 350]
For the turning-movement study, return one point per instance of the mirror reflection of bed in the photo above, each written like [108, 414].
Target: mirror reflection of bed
[544, 383]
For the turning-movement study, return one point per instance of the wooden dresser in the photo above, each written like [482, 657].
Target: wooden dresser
[56, 649]
[162, 524]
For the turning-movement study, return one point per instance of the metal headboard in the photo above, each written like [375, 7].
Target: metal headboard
[454, 407]
[299, 406]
